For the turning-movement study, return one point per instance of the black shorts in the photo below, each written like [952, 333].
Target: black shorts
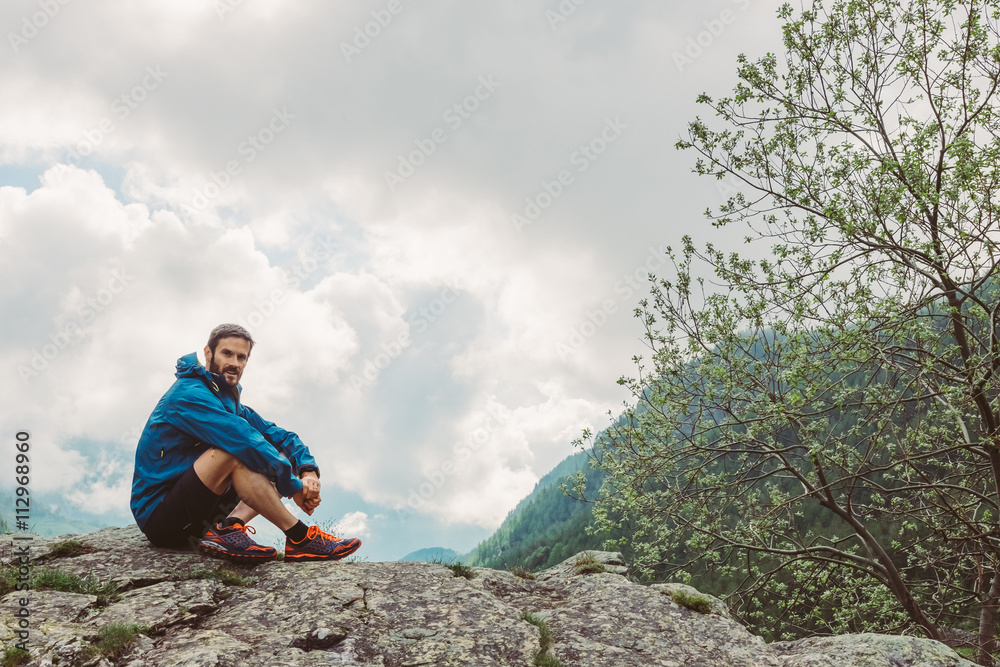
[186, 512]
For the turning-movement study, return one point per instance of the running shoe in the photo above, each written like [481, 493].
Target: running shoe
[234, 543]
[318, 545]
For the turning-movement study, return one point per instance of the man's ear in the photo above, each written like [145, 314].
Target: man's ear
[208, 356]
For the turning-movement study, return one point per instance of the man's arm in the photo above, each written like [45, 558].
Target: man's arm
[292, 446]
[287, 442]
[206, 419]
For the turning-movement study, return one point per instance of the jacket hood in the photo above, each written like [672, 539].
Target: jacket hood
[188, 366]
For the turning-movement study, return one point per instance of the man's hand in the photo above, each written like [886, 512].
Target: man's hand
[310, 499]
[300, 501]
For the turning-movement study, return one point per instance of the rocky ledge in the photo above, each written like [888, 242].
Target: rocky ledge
[583, 612]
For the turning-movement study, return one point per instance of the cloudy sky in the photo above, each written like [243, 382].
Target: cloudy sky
[435, 217]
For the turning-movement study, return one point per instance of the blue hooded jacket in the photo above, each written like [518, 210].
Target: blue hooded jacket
[198, 412]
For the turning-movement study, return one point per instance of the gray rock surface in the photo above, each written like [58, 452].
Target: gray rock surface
[867, 650]
[400, 614]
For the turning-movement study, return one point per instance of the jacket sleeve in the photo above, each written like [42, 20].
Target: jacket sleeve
[207, 420]
[287, 442]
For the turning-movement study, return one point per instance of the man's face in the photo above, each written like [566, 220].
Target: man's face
[229, 360]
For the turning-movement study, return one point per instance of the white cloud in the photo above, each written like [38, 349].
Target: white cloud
[120, 250]
[106, 488]
[352, 524]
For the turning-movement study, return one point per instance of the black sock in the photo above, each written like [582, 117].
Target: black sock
[230, 521]
[297, 533]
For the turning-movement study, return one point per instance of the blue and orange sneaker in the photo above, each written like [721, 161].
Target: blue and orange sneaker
[318, 545]
[234, 543]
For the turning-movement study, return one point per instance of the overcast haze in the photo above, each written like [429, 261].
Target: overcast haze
[435, 217]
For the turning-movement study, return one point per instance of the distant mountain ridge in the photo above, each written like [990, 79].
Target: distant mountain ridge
[431, 555]
[42, 521]
[532, 534]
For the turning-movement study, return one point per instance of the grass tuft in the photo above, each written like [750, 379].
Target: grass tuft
[55, 579]
[543, 658]
[698, 603]
[114, 641]
[14, 657]
[522, 572]
[458, 569]
[67, 549]
[587, 564]
[8, 580]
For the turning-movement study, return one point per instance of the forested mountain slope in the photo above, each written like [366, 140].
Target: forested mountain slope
[546, 527]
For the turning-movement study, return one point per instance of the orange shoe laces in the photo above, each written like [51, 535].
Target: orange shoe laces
[245, 529]
[315, 531]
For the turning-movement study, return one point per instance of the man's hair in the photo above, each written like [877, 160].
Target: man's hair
[228, 331]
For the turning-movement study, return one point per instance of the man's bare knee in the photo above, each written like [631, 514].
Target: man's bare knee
[215, 457]
[215, 469]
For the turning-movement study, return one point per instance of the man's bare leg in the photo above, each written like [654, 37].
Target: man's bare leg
[217, 469]
[244, 513]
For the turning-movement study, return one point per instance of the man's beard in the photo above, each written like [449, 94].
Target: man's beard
[214, 367]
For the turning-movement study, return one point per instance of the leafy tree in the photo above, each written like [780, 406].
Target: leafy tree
[852, 371]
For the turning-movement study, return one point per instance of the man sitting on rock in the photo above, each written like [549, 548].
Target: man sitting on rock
[206, 465]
